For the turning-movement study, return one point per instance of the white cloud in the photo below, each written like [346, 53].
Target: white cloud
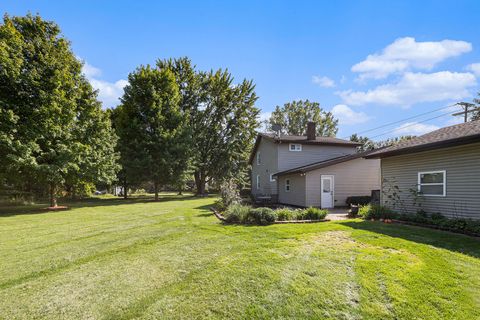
[415, 128]
[323, 81]
[475, 68]
[406, 54]
[415, 88]
[90, 71]
[347, 116]
[108, 92]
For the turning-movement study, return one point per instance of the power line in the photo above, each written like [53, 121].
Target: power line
[406, 119]
[410, 125]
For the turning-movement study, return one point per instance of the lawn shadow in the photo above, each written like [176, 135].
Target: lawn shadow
[13, 210]
[440, 239]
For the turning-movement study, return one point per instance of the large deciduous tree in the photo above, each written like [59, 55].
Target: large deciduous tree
[223, 119]
[153, 130]
[52, 127]
[294, 116]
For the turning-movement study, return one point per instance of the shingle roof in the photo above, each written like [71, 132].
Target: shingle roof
[459, 134]
[302, 140]
[323, 164]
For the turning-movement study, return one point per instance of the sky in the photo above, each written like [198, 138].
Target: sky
[371, 63]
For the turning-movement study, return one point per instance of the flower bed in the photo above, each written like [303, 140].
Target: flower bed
[242, 214]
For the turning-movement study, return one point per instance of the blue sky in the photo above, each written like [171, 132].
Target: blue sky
[371, 62]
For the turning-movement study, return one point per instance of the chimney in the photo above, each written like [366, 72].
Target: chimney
[311, 131]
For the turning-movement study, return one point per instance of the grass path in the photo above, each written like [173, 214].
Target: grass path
[111, 259]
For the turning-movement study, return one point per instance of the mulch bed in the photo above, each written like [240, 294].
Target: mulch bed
[57, 208]
[432, 226]
[222, 218]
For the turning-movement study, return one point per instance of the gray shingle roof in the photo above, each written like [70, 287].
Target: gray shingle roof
[463, 133]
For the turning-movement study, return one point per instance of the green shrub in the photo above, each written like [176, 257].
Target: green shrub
[286, 214]
[437, 219]
[237, 213]
[359, 200]
[261, 216]
[312, 213]
[376, 212]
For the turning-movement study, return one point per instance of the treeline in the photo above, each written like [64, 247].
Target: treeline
[174, 121]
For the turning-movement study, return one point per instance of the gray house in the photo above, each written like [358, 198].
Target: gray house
[436, 172]
[310, 171]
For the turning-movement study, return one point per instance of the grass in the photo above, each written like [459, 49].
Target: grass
[116, 259]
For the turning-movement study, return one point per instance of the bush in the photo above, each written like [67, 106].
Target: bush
[286, 214]
[376, 212]
[237, 213]
[437, 219]
[261, 216]
[359, 200]
[312, 213]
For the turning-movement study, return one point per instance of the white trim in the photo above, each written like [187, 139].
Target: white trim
[287, 184]
[444, 183]
[271, 178]
[258, 158]
[299, 145]
[333, 190]
[258, 182]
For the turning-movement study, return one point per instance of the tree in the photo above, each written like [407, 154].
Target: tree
[476, 114]
[294, 116]
[153, 127]
[51, 112]
[368, 144]
[223, 120]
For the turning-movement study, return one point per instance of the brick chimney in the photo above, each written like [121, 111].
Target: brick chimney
[311, 131]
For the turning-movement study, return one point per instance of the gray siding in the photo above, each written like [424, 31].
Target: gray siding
[462, 165]
[357, 177]
[296, 195]
[309, 154]
[268, 165]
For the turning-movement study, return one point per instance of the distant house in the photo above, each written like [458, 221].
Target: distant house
[438, 172]
[310, 171]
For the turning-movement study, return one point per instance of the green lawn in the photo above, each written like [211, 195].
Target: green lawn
[116, 259]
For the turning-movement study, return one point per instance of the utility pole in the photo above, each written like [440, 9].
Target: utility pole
[466, 109]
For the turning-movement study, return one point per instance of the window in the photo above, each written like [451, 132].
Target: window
[287, 185]
[258, 181]
[272, 179]
[432, 183]
[258, 158]
[295, 147]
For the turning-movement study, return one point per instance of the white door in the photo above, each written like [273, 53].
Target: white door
[327, 191]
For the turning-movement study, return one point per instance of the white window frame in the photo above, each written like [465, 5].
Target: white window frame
[444, 183]
[287, 185]
[297, 148]
[272, 179]
[258, 158]
[258, 182]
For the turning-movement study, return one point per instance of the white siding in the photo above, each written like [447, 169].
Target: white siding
[309, 154]
[296, 195]
[357, 177]
[267, 166]
[462, 166]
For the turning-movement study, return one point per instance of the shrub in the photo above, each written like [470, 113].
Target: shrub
[237, 213]
[437, 219]
[286, 214]
[359, 200]
[376, 212]
[312, 213]
[261, 216]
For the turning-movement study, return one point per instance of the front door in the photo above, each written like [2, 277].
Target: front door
[327, 191]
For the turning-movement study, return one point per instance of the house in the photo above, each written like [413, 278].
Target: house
[310, 171]
[438, 172]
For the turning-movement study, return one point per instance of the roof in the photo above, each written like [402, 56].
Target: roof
[323, 164]
[302, 140]
[459, 134]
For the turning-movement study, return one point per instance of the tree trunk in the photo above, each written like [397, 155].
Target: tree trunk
[155, 185]
[125, 188]
[200, 183]
[53, 196]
